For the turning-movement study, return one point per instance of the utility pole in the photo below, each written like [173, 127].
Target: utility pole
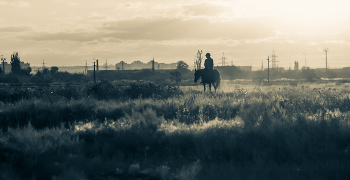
[96, 64]
[86, 68]
[268, 69]
[95, 68]
[106, 66]
[43, 64]
[94, 73]
[305, 60]
[325, 50]
[3, 64]
[153, 64]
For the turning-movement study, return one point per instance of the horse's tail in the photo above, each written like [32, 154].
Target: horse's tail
[217, 77]
[218, 83]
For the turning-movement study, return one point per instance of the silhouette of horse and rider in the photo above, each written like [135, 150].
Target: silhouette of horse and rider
[208, 74]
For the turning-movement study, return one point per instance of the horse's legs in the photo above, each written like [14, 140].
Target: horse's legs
[209, 86]
[204, 86]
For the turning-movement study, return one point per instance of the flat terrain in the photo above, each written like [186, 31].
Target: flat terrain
[243, 131]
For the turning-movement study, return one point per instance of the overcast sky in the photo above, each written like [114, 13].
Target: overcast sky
[70, 32]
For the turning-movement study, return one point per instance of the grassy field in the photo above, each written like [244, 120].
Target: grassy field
[243, 131]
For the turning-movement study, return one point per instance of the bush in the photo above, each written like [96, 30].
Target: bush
[293, 133]
[103, 90]
[309, 74]
[149, 90]
[4, 95]
[69, 92]
[20, 93]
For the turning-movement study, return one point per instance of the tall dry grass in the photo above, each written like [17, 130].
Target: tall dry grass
[266, 132]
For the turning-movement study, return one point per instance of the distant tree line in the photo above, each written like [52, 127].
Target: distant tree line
[180, 76]
[45, 75]
[52, 74]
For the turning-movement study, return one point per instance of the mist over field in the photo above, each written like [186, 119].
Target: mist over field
[164, 124]
[121, 130]
[174, 90]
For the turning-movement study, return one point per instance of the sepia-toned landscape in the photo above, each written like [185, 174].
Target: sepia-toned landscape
[138, 130]
[174, 90]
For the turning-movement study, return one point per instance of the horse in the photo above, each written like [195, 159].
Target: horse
[208, 77]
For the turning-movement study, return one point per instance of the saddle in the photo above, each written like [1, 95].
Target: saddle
[209, 75]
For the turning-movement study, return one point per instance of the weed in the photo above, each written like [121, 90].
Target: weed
[260, 133]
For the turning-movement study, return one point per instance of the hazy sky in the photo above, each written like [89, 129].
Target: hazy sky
[69, 32]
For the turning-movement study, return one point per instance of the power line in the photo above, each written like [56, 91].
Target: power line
[223, 59]
[273, 59]
[326, 49]
[106, 66]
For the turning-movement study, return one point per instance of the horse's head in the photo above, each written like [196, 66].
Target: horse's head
[196, 75]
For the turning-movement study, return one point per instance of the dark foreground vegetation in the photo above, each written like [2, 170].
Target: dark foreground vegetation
[144, 131]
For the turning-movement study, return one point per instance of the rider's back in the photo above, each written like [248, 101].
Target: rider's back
[208, 63]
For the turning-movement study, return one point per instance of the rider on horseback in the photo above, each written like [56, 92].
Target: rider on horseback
[208, 66]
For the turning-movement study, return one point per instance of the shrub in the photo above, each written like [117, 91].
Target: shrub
[20, 93]
[309, 74]
[149, 90]
[144, 121]
[69, 92]
[4, 95]
[141, 90]
[103, 90]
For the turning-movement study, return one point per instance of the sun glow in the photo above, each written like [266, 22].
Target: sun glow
[311, 15]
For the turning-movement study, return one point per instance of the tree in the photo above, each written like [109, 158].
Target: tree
[181, 65]
[45, 70]
[309, 74]
[29, 70]
[15, 63]
[296, 65]
[176, 76]
[26, 72]
[120, 65]
[53, 70]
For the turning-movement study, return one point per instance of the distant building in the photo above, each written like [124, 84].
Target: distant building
[244, 68]
[138, 65]
[321, 69]
[8, 66]
[233, 68]
[24, 65]
[279, 69]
